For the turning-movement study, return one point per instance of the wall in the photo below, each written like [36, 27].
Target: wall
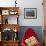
[7, 3]
[27, 4]
[31, 4]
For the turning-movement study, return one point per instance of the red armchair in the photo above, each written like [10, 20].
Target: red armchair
[29, 34]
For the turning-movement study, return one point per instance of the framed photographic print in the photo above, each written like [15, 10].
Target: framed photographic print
[30, 13]
[5, 12]
[13, 12]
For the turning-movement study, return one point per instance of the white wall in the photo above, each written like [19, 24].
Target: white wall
[7, 3]
[27, 4]
[31, 4]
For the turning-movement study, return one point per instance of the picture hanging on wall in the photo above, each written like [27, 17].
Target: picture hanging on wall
[30, 13]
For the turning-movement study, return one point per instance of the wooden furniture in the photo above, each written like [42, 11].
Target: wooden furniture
[8, 11]
[44, 13]
[11, 26]
[44, 37]
[0, 43]
[44, 22]
[5, 12]
[10, 43]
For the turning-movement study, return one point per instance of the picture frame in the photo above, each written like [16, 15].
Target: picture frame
[30, 13]
[5, 12]
[12, 12]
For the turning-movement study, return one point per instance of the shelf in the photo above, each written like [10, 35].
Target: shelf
[5, 14]
[9, 19]
[10, 26]
[11, 41]
[9, 10]
[9, 7]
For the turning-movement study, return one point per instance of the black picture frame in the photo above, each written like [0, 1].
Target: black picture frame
[30, 13]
